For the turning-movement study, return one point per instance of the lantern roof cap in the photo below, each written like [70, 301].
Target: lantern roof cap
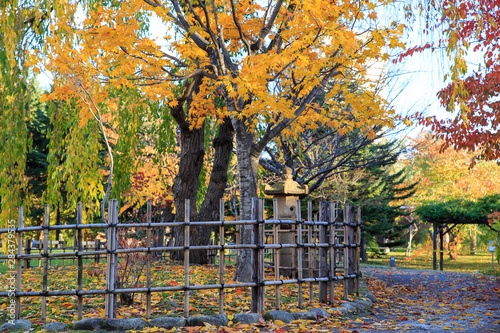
[286, 186]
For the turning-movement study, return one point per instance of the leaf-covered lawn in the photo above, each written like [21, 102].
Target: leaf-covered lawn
[400, 304]
[422, 259]
[63, 308]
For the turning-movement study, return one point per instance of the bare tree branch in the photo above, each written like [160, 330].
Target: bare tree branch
[238, 26]
[87, 99]
[266, 29]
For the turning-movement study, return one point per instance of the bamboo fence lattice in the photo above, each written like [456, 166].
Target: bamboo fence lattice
[328, 247]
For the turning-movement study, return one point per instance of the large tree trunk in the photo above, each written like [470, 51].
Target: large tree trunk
[209, 209]
[186, 183]
[186, 187]
[248, 160]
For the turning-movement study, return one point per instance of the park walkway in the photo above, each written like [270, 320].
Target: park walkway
[429, 301]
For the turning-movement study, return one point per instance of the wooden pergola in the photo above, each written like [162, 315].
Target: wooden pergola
[442, 227]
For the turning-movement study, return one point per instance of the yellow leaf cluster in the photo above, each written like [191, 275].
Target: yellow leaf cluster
[111, 46]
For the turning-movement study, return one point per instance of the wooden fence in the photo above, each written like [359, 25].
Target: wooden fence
[57, 246]
[328, 250]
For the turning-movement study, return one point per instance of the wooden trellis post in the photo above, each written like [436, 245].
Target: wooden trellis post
[352, 249]
[45, 262]
[323, 259]
[299, 253]
[257, 301]
[357, 240]
[115, 256]
[346, 251]
[222, 257]
[107, 296]
[262, 241]
[311, 254]
[331, 250]
[349, 250]
[19, 263]
[148, 261]
[80, 259]
[27, 250]
[112, 260]
[187, 220]
[276, 255]
[97, 258]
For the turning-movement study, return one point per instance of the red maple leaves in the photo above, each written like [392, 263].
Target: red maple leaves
[471, 30]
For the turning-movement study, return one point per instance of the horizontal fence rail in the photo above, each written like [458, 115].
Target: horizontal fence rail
[323, 252]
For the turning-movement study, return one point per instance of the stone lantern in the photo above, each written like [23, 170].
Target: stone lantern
[287, 192]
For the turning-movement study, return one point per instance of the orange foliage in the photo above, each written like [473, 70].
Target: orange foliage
[446, 174]
[109, 46]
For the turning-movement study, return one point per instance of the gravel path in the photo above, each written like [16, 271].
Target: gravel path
[430, 301]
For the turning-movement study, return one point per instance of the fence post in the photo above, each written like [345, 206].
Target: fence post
[107, 297]
[79, 248]
[19, 263]
[98, 248]
[187, 220]
[111, 262]
[310, 252]
[358, 244]
[323, 260]
[45, 262]
[276, 255]
[346, 251]
[300, 272]
[115, 256]
[262, 241]
[222, 257]
[27, 250]
[257, 294]
[64, 251]
[349, 251]
[352, 249]
[331, 250]
[148, 261]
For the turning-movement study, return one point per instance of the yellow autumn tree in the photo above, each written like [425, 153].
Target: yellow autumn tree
[22, 26]
[445, 174]
[260, 64]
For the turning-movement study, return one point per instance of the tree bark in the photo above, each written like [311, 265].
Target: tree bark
[248, 160]
[186, 183]
[473, 241]
[363, 250]
[209, 209]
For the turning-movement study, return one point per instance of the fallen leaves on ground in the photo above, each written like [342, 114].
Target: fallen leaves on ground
[407, 300]
[236, 300]
[433, 301]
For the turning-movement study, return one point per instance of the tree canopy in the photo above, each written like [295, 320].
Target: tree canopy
[260, 65]
[469, 31]
[266, 63]
[460, 211]
[446, 174]
[22, 26]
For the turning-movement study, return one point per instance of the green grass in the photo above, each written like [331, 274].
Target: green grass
[491, 271]
[56, 262]
[422, 259]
